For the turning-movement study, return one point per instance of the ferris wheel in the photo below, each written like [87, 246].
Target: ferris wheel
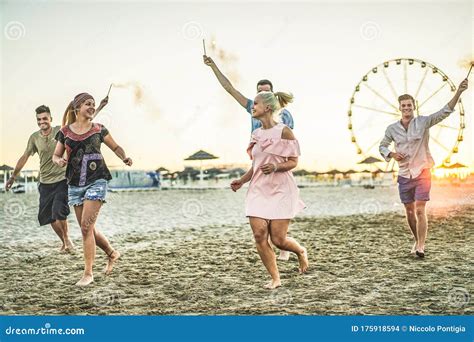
[374, 105]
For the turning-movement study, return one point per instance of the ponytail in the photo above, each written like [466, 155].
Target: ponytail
[276, 100]
[283, 98]
[69, 115]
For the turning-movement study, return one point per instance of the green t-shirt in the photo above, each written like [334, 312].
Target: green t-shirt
[44, 146]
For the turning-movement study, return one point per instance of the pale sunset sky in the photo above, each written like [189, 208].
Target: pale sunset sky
[319, 51]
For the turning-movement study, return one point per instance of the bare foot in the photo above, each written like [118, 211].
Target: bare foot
[69, 248]
[273, 284]
[284, 255]
[111, 261]
[303, 259]
[85, 280]
[420, 252]
[413, 249]
[63, 249]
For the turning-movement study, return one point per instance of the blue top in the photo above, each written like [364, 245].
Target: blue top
[285, 117]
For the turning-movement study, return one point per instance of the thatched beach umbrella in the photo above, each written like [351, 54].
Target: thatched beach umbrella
[5, 169]
[201, 155]
[370, 161]
[301, 172]
[333, 172]
[162, 170]
[455, 166]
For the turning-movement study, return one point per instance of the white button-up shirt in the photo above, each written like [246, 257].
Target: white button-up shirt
[413, 143]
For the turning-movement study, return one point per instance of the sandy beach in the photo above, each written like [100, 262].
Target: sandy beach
[360, 264]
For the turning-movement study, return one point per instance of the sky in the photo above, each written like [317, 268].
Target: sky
[319, 51]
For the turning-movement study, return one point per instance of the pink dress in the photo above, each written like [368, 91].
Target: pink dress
[273, 196]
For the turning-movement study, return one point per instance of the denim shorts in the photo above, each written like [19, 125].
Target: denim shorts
[415, 189]
[95, 191]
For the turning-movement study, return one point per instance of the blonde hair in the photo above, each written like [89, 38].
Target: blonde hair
[276, 100]
[69, 116]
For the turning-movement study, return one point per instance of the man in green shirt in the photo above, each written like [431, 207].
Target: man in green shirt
[53, 206]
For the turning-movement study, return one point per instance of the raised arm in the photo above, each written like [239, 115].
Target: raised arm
[19, 165]
[102, 104]
[462, 87]
[224, 81]
[119, 152]
[439, 116]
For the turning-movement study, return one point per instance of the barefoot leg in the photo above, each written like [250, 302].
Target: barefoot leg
[58, 229]
[104, 244]
[412, 222]
[87, 215]
[260, 233]
[112, 259]
[278, 233]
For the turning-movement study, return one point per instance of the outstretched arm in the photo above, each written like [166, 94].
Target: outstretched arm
[119, 152]
[102, 104]
[439, 116]
[19, 165]
[224, 81]
[462, 87]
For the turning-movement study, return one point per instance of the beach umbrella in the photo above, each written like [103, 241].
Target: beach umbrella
[201, 155]
[162, 170]
[301, 172]
[349, 172]
[370, 161]
[5, 168]
[457, 166]
[333, 172]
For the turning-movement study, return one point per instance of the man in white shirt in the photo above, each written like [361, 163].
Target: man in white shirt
[411, 137]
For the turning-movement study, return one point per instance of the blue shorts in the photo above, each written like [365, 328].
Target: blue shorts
[415, 189]
[95, 191]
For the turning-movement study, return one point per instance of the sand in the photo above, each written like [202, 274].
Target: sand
[360, 265]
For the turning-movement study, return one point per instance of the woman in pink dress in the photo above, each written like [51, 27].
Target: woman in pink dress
[272, 197]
